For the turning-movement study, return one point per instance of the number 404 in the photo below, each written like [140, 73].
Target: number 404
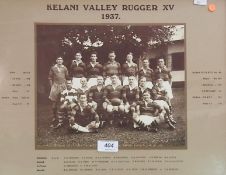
[109, 145]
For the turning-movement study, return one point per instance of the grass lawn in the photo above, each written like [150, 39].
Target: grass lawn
[62, 138]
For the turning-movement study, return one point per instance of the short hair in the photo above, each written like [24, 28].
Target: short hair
[83, 78]
[145, 59]
[94, 52]
[82, 93]
[69, 79]
[114, 75]
[131, 76]
[161, 59]
[59, 57]
[147, 91]
[78, 52]
[142, 77]
[129, 53]
[112, 51]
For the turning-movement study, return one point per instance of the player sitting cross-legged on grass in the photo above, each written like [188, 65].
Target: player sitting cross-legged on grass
[149, 114]
[85, 118]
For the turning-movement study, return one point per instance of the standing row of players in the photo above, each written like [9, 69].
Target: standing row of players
[108, 101]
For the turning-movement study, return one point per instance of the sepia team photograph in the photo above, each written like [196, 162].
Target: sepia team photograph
[123, 82]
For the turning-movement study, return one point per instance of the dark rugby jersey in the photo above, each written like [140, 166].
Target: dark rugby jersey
[113, 94]
[129, 70]
[58, 74]
[94, 70]
[158, 93]
[78, 70]
[149, 108]
[112, 68]
[162, 73]
[96, 95]
[148, 74]
[82, 90]
[130, 95]
[84, 115]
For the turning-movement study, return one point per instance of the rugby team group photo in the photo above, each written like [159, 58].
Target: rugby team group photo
[122, 82]
[92, 95]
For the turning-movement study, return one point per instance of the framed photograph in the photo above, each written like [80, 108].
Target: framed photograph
[142, 44]
[112, 87]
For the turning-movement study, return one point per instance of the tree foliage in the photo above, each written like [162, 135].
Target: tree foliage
[121, 38]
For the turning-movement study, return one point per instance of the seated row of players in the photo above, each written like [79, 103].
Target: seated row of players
[88, 108]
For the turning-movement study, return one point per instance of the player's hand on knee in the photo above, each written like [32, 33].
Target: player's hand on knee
[121, 108]
[110, 108]
[97, 124]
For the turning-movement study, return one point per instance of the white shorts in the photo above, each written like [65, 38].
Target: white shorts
[92, 82]
[76, 83]
[168, 89]
[149, 84]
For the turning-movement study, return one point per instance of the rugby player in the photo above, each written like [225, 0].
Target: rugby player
[57, 80]
[129, 68]
[113, 99]
[147, 72]
[93, 70]
[112, 67]
[149, 114]
[68, 100]
[85, 118]
[162, 72]
[78, 70]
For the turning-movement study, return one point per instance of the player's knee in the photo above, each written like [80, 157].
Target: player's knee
[109, 108]
[105, 105]
[127, 108]
[62, 107]
[121, 108]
